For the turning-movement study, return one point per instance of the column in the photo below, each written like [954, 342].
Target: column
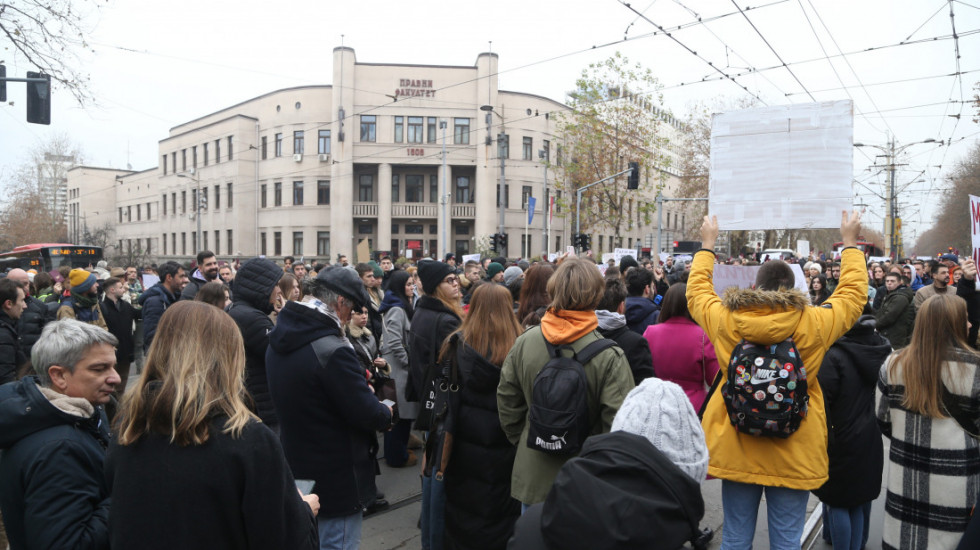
[384, 207]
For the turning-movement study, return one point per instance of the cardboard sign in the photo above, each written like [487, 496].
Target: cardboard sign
[618, 254]
[363, 251]
[782, 167]
[473, 257]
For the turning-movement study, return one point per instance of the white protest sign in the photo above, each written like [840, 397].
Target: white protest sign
[782, 167]
[552, 256]
[150, 280]
[618, 253]
[602, 268]
[471, 257]
[803, 249]
[408, 253]
[663, 257]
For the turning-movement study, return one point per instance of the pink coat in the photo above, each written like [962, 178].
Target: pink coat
[679, 347]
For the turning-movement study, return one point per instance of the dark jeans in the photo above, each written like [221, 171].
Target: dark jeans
[433, 513]
[396, 443]
[848, 526]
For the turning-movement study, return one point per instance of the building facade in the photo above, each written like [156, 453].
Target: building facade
[407, 158]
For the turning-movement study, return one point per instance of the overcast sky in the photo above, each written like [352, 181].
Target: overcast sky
[159, 64]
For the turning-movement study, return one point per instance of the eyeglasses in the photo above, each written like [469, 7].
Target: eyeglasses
[452, 279]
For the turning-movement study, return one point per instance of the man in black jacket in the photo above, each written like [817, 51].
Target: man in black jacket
[256, 295]
[11, 307]
[206, 272]
[54, 434]
[967, 289]
[897, 314]
[155, 300]
[641, 311]
[328, 414]
[35, 315]
[612, 325]
[119, 317]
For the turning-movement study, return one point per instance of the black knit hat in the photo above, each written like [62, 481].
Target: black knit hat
[432, 273]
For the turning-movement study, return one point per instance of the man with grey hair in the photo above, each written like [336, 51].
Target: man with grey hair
[53, 434]
[328, 415]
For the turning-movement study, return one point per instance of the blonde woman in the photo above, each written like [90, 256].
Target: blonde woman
[191, 466]
[929, 395]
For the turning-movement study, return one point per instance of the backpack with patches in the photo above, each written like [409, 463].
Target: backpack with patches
[559, 419]
[766, 391]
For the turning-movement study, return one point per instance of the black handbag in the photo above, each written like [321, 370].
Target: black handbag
[437, 391]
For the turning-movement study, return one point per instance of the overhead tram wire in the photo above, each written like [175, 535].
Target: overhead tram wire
[692, 52]
[773, 50]
[959, 79]
[899, 81]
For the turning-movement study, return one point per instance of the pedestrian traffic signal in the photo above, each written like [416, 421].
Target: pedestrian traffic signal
[39, 99]
[502, 241]
[634, 178]
[493, 242]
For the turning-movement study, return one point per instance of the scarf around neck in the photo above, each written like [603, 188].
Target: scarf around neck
[564, 326]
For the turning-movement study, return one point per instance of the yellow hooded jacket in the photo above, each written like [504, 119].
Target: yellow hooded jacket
[768, 317]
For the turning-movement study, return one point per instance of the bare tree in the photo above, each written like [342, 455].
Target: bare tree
[952, 222]
[48, 34]
[101, 236]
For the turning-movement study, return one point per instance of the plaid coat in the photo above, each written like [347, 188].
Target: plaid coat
[934, 472]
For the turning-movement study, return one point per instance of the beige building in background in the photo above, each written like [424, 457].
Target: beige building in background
[314, 170]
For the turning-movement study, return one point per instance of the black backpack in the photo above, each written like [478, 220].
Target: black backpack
[766, 390]
[559, 419]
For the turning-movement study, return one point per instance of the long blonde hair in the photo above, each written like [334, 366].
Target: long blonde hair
[940, 329]
[195, 370]
[490, 327]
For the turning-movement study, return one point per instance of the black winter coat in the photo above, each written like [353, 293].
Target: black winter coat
[52, 489]
[11, 349]
[848, 377]
[478, 477]
[432, 322]
[967, 290]
[153, 302]
[250, 310]
[32, 322]
[637, 351]
[119, 317]
[329, 416]
[238, 493]
[641, 312]
[896, 317]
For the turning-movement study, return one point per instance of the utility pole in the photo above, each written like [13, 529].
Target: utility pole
[545, 210]
[445, 195]
[502, 147]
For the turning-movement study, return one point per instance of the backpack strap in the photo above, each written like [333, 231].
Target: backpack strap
[593, 349]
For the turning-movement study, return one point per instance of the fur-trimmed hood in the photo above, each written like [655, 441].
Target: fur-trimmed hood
[765, 316]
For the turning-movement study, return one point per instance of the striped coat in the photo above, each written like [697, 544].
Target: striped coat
[934, 472]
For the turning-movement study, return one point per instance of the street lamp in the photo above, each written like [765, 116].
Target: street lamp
[890, 152]
[197, 204]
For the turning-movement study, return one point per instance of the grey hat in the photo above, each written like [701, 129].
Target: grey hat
[511, 273]
[346, 283]
[660, 411]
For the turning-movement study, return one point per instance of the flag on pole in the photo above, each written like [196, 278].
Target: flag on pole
[530, 209]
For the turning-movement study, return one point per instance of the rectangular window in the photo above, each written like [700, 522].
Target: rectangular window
[277, 243]
[183, 161]
[217, 242]
[365, 228]
[164, 201]
[461, 131]
[230, 199]
[217, 151]
[395, 196]
[503, 146]
[394, 228]
[298, 243]
[148, 216]
[120, 215]
[323, 192]
[323, 243]
[278, 145]
[527, 149]
[217, 197]
[415, 129]
[525, 195]
[183, 242]
[173, 203]
[414, 190]
[546, 147]
[164, 162]
[262, 194]
[323, 142]
[399, 129]
[430, 129]
[183, 202]
[433, 229]
[277, 194]
[369, 125]
[506, 195]
[434, 188]
[231, 151]
[164, 241]
[262, 247]
[559, 153]
[365, 188]
[129, 213]
[464, 193]
[462, 229]
[173, 243]
[230, 243]
[414, 229]
[139, 212]
[194, 246]
[173, 161]
[297, 193]
[194, 156]
[298, 144]
[265, 147]
[205, 154]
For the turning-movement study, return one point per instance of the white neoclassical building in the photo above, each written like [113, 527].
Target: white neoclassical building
[404, 157]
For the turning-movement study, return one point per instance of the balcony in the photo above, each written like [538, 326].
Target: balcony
[366, 209]
[464, 211]
[414, 210]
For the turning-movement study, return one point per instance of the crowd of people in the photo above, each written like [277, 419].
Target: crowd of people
[546, 404]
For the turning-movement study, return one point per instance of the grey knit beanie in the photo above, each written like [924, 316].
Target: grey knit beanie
[512, 273]
[661, 412]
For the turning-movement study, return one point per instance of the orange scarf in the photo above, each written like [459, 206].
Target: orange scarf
[564, 326]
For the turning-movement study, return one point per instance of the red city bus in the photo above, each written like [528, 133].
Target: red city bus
[48, 256]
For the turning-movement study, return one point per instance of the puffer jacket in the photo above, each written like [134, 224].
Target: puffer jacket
[768, 317]
[11, 349]
[609, 379]
[897, 316]
[32, 322]
[154, 302]
[250, 310]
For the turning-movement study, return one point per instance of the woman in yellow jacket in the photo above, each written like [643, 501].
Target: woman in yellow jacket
[785, 469]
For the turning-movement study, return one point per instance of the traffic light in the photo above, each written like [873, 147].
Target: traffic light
[3, 82]
[634, 178]
[586, 241]
[502, 241]
[39, 99]
[493, 242]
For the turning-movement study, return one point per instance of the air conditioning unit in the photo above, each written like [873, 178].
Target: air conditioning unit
[298, 157]
[324, 157]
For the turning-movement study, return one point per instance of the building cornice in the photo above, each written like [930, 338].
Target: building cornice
[235, 106]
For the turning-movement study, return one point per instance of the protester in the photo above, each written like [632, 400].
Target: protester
[206, 272]
[848, 377]
[929, 402]
[680, 349]
[785, 469]
[35, 315]
[157, 298]
[370, 279]
[387, 269]
[495, 272]
[84, 302]
[641, 311]
[215, 293]
[534, 297]
[939, 286]
[576, 289]
[289, 286]
[397, 310]
[968, 291]
[119, 318]
[186, 427]
[329, 415]
[612, 325]
[12, 306]
[53, 436]
[896, 317]
[818, 290]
